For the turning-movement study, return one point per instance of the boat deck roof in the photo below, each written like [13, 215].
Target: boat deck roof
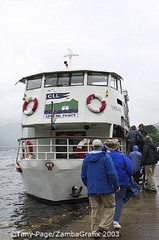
[67, 71]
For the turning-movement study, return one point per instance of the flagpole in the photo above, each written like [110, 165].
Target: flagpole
[52, 115]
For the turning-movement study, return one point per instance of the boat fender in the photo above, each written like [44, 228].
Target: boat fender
[19, 169]
[93, 109]
[76, 192]
[35, 105]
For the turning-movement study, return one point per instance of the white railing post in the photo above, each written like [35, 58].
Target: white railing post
[111, 130]
[67, 148]
[50, 146]
[37, 149]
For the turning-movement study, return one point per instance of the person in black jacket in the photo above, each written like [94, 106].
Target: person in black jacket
[149, 162]
[143, 132]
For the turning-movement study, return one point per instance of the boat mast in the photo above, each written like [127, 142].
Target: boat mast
[53, 126]
[70, 55]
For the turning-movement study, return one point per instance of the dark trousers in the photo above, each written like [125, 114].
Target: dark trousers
[137, 176]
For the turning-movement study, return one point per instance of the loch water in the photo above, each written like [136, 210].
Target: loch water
[19, 213]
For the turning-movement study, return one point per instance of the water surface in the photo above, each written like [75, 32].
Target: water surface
[21, 213]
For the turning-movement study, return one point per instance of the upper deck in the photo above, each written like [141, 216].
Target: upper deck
[75, 96]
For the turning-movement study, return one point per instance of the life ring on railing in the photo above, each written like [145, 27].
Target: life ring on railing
[93, 109]
[28, 149]
[35, 105]
[83, 146]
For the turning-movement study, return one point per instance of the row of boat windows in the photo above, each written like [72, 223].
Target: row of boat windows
[73, 79]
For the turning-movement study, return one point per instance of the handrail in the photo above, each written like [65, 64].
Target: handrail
[70, 137]
[53, 150]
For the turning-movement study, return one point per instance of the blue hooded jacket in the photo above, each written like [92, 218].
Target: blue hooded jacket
[136, 158]
[123, 167]
[98, 174]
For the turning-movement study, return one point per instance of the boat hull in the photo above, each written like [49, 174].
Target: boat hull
[52, 180]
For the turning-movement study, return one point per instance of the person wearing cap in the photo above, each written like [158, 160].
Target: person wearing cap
[124, 170]
[100, 177]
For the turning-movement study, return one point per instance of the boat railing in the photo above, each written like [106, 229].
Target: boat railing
[51, 148]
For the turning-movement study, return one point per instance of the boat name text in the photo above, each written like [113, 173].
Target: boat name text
[116, 108]
[62, 115]
[57, 95]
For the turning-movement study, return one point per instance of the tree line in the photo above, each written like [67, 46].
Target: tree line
[153, 132]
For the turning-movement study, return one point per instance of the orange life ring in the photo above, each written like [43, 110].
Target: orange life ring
[93, 109]
[30, 112]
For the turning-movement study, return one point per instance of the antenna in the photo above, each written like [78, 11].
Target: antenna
[69, 55]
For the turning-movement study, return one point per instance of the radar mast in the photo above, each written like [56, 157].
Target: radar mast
[70, 55]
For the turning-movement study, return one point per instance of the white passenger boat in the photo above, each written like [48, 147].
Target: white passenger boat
[63, 112]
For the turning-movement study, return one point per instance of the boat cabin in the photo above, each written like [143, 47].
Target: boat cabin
[78, 104]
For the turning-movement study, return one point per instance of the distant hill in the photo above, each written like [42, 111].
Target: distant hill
[9, 133]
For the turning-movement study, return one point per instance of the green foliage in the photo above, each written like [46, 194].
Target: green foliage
[155, 138]
[152, 131]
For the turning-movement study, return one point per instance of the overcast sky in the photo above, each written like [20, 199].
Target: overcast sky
[116, 35]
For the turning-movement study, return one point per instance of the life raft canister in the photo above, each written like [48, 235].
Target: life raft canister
[35, 105]
[93, 109]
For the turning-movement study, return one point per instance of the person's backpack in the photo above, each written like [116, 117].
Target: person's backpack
[156, 155]
[155, 152]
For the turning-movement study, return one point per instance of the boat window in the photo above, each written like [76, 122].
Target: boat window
[119, 102]
[63, 79]
[62, 147]
[119, 86]
[77, 78]
[113, 82]
[34, 82]
[97, 78]
[51, 80]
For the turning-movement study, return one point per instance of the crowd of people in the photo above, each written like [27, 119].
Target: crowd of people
[107, 173]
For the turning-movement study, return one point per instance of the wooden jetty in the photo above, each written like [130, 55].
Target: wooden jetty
[139, 220]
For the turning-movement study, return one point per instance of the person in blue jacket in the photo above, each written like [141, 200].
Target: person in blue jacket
[136, 158]
[100, 177]
[124, 170]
